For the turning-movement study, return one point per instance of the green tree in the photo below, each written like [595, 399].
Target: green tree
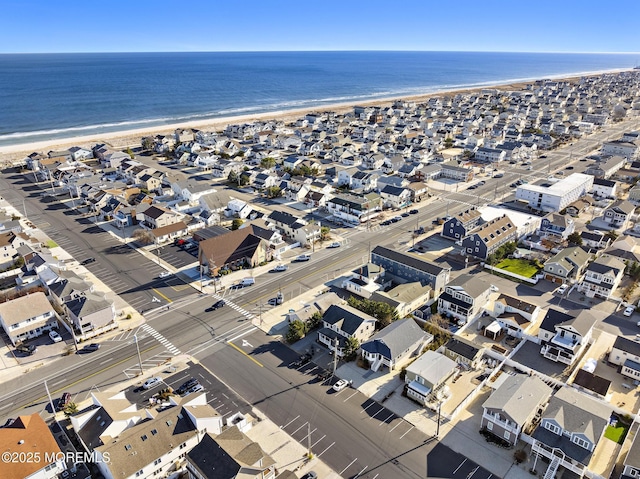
[236, 224]
[129, 152]
[575, 238]
[324, 233]
[351, 349]
[297, 331]
[70, 409]
[147, 143]
[315, 320]
[268, 162]
[274, 192]
[612, 235]
[383, 312]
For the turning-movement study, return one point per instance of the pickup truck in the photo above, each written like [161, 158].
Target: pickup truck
[303, 257]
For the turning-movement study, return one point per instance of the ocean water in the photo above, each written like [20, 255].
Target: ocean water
[50, 96]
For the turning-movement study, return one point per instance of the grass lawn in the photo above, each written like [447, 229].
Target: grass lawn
[616, 433]
[519, 266]
[51, 244]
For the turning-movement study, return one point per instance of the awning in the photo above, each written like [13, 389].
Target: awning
[419, 388]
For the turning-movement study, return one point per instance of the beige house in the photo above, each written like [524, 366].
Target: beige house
[27, 317]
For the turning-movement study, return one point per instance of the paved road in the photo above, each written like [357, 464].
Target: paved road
[123, 270]
[355, 436]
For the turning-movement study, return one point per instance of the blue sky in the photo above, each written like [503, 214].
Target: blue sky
[35, 26]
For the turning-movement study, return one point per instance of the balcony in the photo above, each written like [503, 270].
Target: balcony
[496, 419]
[556, 354]
[566, 342]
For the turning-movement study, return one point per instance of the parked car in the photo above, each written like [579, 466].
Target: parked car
[562, 289]
[55, 337]
[151, 382]
[310, 475]
[629, 311]
[405, 215]
[279, 268]
[413, 212]
[340, 385]
[499, 175]
[303, 257]
[164, 274]
[26, 348]
[186, 386]
[335, 244]
[63, 401]
[395, 219]
[279, 298]
[194, 389]
[89, 348]
[87, 261]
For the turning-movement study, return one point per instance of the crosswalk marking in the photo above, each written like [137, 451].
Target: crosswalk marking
[161, 339]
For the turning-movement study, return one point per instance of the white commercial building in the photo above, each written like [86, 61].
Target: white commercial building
[548, 196]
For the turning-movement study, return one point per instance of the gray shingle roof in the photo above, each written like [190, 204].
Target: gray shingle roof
[396, 338]
[518, 396]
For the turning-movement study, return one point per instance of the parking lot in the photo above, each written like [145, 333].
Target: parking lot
[46, 349]
[446, 463]
[176, 256]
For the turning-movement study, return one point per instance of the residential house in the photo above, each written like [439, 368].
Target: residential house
[602, 277]
[233, 250]
[513, 406]
[490, 155]
[567, 265]
[570, 429]
[625, 149]
[425, 378]
[405, 267]
[463, 352]
[27, 317]
[9, 244]
[606, 167]
[293, 227]
[595, 239]
[626, 248]
[191, 191]
[67, 286]
[464, 298]
[355, 209]
[394, 345]
[579, 206]
[460, 226]
[395, 197]
[90, 312]
[513, 316]
[365, 280]
[29, 437]
[625, 353]
[489, 237]
[618, 215]
[157, 216]
[170, 232]
[229, 455]
[557, 226]
[564, 340]
[604, 188]
[404, 298]
[419, 190]
[634, 194]
[452, 170]
[342, 322]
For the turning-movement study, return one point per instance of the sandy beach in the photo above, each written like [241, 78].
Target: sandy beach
[126, 138]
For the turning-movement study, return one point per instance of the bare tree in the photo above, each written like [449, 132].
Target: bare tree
[143, 236]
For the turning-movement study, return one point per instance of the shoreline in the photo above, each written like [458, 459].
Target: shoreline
[132, 137]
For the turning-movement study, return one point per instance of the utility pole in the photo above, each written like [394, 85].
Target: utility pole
[50, 400]
[438, 426]
[135, 340]
[308, 439]
[335, 356]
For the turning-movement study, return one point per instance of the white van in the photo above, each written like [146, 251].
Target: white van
[248, 281]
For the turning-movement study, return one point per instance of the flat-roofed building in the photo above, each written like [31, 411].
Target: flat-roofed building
[27, 317]
[556, 196]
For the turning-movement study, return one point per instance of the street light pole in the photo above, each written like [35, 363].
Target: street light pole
[135, 340]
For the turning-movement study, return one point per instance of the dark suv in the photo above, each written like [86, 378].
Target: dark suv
[26, 348]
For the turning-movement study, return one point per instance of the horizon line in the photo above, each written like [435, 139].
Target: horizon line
[327, 51]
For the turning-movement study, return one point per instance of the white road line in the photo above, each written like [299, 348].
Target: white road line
[6, 406]
[58, 382]
[106, 361]
[372, 403]
[285, 426]
[381, 409]
[326, 449]
[314, 444]
[407, 432]
[465, 460]
[360, 473]
[385, 421]
[356, 392]
[348, 466]
[399, 422]
[299, 428]
[242, 334]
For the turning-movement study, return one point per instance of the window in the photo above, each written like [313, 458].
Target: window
[154, 432]
[490, 426]
[139, 473]
[552, 427]
[507, 435]
[144, 437]
[157, 461]
[127, 447]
